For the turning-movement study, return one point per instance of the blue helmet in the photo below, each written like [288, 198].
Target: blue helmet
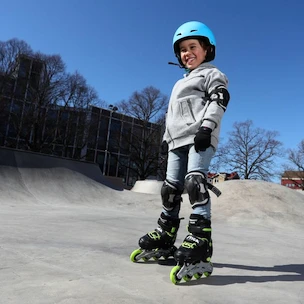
[195, 30]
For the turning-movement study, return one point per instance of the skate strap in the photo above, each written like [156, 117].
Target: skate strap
[215, 190]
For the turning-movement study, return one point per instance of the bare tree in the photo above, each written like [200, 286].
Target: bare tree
[9, 51]
[147, 105]
[77, 93]
[218, 162]
[252, 151]
[296, 156]
[144, 151]
[142, 142]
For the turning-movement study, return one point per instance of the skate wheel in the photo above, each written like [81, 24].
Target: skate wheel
[173, 273]
[134, 255]
[187, 278]
[198, 275]
[207, 274]
[155, 258]
[145, 259]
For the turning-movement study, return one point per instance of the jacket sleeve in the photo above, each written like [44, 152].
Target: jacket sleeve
[214, 112]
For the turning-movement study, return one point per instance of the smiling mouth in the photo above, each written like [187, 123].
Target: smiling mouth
[190, 60]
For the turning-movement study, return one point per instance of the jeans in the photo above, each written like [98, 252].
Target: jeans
[181, 161]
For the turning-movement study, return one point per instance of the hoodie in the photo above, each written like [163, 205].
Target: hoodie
[191, 108]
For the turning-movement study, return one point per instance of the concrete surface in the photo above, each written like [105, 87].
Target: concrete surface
[147, 186]
[66, 235]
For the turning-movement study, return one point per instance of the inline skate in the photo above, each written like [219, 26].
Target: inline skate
[193, 257]
[159, 242]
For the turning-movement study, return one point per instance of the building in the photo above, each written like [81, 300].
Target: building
[293, 180]
[221, 177]
[16, 89]
[115, 141]
[98, 135]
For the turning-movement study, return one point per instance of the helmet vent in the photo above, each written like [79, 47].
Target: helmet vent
[193, 31]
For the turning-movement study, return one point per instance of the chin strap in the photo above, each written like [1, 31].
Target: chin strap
[173, 63]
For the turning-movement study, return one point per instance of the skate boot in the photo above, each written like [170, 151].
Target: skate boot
[159, 242]
[194, 255]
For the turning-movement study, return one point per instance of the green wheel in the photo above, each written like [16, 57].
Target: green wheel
[155, 258]
[173, 273]
[134, 255]
[208, 273]
[145, 259]
[187, 278]
[198, 275]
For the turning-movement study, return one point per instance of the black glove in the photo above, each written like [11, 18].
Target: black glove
[202, 139]
[164, 148]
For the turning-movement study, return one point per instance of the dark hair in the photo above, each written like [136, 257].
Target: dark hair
[206, 45]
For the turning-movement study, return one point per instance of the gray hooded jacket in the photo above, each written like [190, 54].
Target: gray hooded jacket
[191, 108]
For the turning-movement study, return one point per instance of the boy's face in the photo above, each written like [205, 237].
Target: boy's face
[192, 53]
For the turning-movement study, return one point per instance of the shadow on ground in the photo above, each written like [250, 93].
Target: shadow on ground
[290, 273]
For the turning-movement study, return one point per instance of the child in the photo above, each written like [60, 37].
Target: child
[196, 107]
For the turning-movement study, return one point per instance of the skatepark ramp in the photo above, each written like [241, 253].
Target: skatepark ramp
[27, 176]
[258, 202]
[33, 178]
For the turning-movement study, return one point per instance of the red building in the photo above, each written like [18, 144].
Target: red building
[293, 180]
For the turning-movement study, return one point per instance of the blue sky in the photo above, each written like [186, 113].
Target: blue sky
[123, 46]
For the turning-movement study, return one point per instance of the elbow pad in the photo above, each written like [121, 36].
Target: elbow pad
[221, 96]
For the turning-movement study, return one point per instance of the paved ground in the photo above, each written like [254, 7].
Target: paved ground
[66, 235]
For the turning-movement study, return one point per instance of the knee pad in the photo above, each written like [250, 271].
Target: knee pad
[197, 188]
[171, 195]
